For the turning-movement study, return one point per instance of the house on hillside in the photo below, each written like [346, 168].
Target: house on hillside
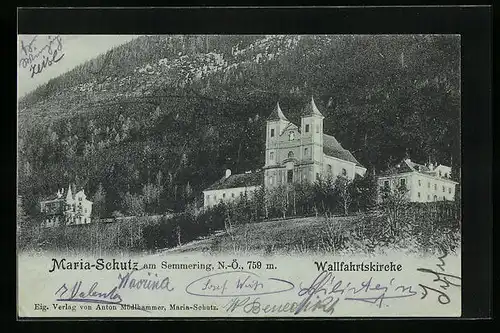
[232, 187]
[68, 209]
[294, 154]
[424, 183]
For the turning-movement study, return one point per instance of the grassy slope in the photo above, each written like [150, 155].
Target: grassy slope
[286, 236]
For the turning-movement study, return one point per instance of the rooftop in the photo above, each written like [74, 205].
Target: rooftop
[408, 165]
[277, 114]
[311, 109]
[239, 180]
[333, 148]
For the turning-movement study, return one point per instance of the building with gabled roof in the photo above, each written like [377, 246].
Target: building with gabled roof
[423, 182]
[294, 154]
[66, 209]
[231, 187]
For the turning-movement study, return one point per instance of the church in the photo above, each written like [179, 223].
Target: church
[304, 153]
[294, 154]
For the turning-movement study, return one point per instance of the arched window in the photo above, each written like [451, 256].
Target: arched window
[344, 172]
[291, 136]
[290, 154]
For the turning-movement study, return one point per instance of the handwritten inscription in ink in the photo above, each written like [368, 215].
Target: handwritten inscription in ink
[442, 281]
[40, 53]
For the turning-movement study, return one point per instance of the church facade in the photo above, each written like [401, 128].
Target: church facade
[304, 153]
[294, 154]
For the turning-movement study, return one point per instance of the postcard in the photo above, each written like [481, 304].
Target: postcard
[239, 176]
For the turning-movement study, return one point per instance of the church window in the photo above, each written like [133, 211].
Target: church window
[435, 187]
[449, 190]
[307, 128]
[329, 168]
[272, 132]
[215, 197]
[439, 173]
[289, 176]
[80, 199]
[419, 182]
[386, 184]
[403, 182]
[306, 151]
[271, 156]
[290, 154]
[291, 136]
[435, 198]
[443, 188]
[271, 180]
[344, 172]
[232, 195]
[223, 195]
[418, 194]
[317, 128]
[317, 176]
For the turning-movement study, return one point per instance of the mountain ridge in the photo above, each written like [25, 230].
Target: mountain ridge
[192, 106]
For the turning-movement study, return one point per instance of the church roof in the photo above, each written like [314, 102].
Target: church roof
[333, 148]
[277, 114]
[311, 109]
[239, 180]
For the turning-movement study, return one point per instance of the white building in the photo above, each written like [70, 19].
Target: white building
[69, 209]
[232, 187]
[304, 153]
[425, 183]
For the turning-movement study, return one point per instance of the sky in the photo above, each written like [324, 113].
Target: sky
[76, 49]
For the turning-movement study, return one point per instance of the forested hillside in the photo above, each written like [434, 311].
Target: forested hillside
[147, 126]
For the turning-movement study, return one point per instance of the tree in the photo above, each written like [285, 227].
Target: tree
[133, 204]
[394, 202]
[151, 194]
[304, 197]
[99, 202]
[280, 195]
[344, 189]
[364, 191]
[177, 231]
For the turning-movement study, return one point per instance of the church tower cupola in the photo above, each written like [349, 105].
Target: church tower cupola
[311, 109]
[312, 134]
[276, 123]
[277, 114]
